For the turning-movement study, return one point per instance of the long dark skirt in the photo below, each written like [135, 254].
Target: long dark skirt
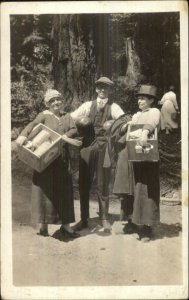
[52, 195]
[147, 193]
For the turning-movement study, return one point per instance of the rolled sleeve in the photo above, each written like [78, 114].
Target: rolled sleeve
[150, 118]
[153, 120]
[82, 111]
[116, 111]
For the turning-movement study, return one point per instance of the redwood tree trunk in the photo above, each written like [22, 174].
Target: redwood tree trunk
[74, 64]
[133, 70]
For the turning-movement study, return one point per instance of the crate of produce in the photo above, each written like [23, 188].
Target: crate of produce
[41, 149]
[135, 151]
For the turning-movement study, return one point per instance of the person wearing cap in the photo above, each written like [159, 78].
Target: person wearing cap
[52, 191]
[94, 118]
[169, 110]
[137, 184]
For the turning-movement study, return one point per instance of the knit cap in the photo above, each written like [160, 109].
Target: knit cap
[50, 93]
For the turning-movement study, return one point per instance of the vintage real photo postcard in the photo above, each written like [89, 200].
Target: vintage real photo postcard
[94, 150]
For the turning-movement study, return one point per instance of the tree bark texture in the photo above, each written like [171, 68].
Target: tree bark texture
[74, 63]
[133, 69]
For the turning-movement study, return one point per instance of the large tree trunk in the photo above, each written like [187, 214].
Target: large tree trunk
[133, 70]
[74, 64]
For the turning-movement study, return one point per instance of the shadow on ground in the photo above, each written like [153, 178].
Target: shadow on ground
[167, 230]
[163, 230]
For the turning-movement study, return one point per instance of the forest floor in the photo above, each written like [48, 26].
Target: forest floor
[95, 258]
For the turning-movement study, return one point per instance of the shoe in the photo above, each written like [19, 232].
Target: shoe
[130, 228]
[82, 224]
[145, 234]
[68, 234]
[106, 225]
[43, 232]
[145, 239]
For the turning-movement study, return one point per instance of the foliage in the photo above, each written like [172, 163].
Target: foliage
[156, 42]
[30, 66]
[102, 38]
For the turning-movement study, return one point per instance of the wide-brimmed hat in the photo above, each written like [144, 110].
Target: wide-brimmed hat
[104, 80]
[50, 93]
[148, 90]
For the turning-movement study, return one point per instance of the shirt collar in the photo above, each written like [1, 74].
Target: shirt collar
[105, 100]
[147, 109]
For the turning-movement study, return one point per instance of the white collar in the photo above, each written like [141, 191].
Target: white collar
[147, 109]
[105, 100]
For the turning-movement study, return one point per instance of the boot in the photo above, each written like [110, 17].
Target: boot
[106, 225]
[82, 224]
[130, 228]
[145, 233]
[103, 210]
[43, 230]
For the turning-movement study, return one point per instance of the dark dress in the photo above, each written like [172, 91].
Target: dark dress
[146, 176]
[52, 190]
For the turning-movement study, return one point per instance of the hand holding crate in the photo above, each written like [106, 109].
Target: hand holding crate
[141, 148]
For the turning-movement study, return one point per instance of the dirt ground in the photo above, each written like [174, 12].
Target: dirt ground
[96, 258]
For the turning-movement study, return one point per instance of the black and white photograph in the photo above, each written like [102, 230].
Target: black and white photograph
[94, 150]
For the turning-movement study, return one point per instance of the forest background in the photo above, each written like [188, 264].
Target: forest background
[69, 52]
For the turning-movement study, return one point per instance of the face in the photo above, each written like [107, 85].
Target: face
[55, 104]
[103, 91]
[144, 102]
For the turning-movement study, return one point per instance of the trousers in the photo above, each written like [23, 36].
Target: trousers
[90, 164]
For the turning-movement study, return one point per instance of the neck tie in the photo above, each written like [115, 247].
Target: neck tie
[100, 105]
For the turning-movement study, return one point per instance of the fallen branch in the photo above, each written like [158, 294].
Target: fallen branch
[174, 175]
[168, 155]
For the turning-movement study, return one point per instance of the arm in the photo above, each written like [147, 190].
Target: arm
[68, 126]
[153, 122]
[82, 111]
[116, 111]
[69, 131]
[144, 137]
[162, 100]
[174, 100]
[26, 131]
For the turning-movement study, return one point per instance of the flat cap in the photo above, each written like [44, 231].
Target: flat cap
[104, 80]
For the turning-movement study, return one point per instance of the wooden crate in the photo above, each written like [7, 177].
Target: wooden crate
[42, 162]
[136, 153]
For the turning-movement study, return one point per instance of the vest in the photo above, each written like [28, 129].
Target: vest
[98, 118]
